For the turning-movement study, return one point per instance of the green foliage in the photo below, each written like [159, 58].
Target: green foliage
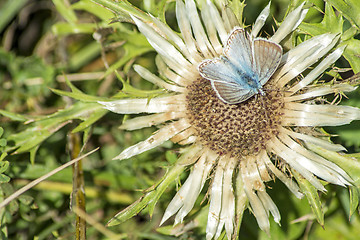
[3, 164]
[30, 139]
[312, 196]
[151, 196]
[27, 77]
[8, 9]
[350, 9]
[345, 24]
[334, 23]
[6, 189]
[97, 39]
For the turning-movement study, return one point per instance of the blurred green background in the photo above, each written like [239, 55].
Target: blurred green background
[45, 121]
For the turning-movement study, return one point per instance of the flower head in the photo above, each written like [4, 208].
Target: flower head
[241, 146]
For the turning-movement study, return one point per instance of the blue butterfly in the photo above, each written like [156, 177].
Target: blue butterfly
[243, 69]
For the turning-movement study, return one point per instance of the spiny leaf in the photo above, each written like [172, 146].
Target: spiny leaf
[330, 23]
[354, 200]
[96, 115]
[352, 53]
[131, 51]
[349, 163]
[312, 196]
[43, 127]
[349, 8]
[123, 8]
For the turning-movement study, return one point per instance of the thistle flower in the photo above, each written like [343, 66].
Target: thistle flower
[238, 147]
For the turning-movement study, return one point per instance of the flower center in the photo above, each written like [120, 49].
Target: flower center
[234, 129]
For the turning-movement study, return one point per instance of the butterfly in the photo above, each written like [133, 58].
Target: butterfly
[243, 69]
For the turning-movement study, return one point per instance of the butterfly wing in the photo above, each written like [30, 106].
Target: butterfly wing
[224, 79]
[218, 70]
[238, 50]
[231, 94]
[267, 57]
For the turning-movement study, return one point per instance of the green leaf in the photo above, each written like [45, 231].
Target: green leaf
[7, 190]
[352, 53]
[168, 230]
[96, 115]
[130, 91]
[42, 128]
[131, 210]
[13, 116]
[34, 171]
[349, 8]
[171, 157]
[312, 196]
[33, 152]
[330, 23]
[349, 134]
[62, 28]
[354, 199]
[349, 163]
[174, 173]
[149, 199]
[3, 142]
[158, 9]
[33, 136]
[4, 178]
[337, 227]
[93, 8]
[66, 12]
[152, 196]
[8, 9]
[26, 199]
[86, 135]
[131, 51]
[30, 77]
[169, 178]
[238, 9]
[4, 166]
[78, 95]
[3, 155]
[84, 55]
[124, 8]
[333, 22]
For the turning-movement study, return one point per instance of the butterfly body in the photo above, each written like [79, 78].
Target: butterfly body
[245, 66]
[243, 76]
